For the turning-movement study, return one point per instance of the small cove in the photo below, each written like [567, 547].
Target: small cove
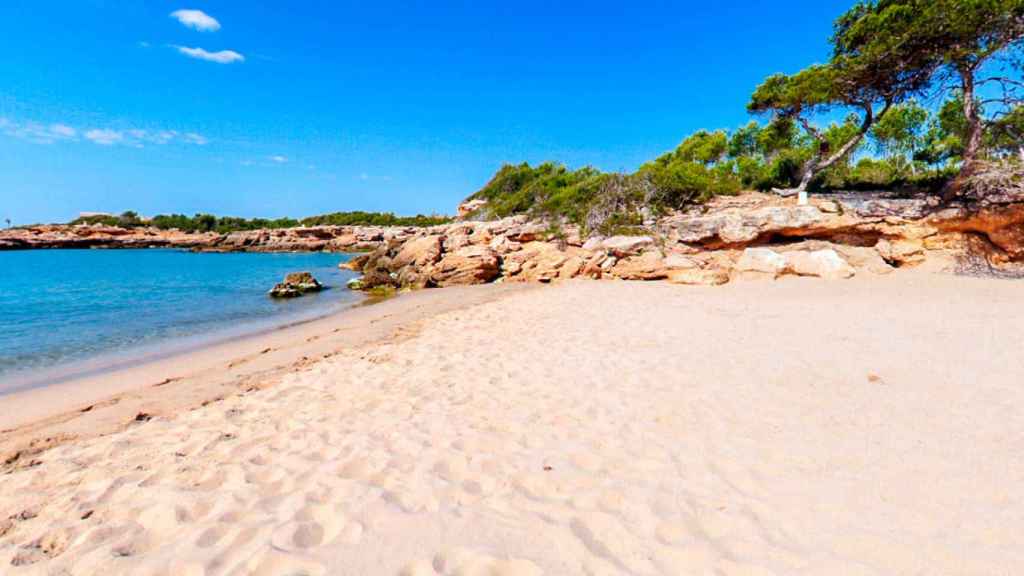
[65, 313]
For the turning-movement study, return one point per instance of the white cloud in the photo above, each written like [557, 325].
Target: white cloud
[38, 133]
[104, 136]
[197, 20]
[63, 131]
[279, 159]
[222, 57]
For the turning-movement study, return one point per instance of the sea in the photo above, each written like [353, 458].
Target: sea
[68, 313]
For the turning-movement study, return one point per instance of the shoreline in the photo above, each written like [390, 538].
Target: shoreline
[35, 419]
[116, 360]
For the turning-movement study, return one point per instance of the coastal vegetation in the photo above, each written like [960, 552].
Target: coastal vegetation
[918, 96]
[226, 224]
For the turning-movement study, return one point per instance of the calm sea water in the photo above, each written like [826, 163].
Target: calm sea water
[64, 312]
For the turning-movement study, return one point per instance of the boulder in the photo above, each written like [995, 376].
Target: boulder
[470, 207]
[678, 261]
[901, 252]
[627, 245]
[646, 266]
[826, 264]
[468, 265]
[542, 262]
[761, 261]
[419, 252]
[863, 259]
[296, 284]
[699, 276]
[593, 244]
[355, 264]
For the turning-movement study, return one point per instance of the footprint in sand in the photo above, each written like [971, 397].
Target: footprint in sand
[274, 563]
[465, 562]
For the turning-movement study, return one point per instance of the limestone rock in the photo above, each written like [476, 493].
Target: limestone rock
[761, 261]
[646, 266]
[901, 252]
[627, 245]
[355, 264]
[467, 265]
[470, 207]
[826, 264]
[593, 244]
[419, 252]
[296, 284]
[678, 261]
[542, 262]
[699, 276]
[862, 258]
[741, 226]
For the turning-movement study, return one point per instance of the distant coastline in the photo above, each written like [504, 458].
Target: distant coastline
[297, 239]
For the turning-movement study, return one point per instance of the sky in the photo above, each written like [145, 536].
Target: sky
[303, 107]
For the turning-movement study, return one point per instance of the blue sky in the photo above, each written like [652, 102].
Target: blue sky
[303, 107]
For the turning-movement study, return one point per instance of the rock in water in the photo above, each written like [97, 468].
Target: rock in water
[296, 284]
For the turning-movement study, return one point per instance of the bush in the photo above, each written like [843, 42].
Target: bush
[227, 224]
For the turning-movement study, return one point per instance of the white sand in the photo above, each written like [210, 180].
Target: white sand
[803, 427]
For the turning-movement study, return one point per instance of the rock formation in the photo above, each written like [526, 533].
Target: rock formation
[296, 284]
[750, 236]
[311, 239]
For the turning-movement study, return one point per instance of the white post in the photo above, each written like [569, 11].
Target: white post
[801, 199]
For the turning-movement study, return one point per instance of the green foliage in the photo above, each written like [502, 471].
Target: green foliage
[521, 189]
[703, 147]
[373, 219]
[1007, 134]
[227, 224]
[900, 133]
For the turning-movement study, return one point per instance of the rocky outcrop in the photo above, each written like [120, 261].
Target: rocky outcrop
[751, 236]
[466, 265]
[296, 284]
[301, 239]
[97, 236]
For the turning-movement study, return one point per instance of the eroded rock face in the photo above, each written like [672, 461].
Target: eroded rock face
[739, 225]
[467, 265]
[296, 284]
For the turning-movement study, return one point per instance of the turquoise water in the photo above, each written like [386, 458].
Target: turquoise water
[69, 311]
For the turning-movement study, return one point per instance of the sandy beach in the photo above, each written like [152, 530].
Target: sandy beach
[866, 427]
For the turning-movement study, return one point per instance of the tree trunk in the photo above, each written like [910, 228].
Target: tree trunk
[972, 147]
[820, 162]
[975, 132]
